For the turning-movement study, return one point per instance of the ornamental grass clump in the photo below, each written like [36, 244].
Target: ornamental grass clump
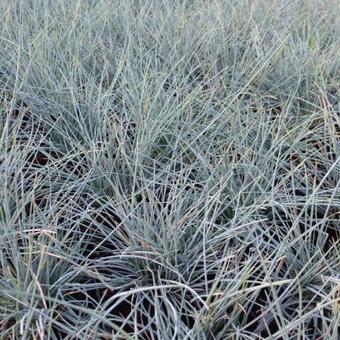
[169, 169]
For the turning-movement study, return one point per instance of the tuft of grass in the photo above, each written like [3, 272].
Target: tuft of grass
[169, 169]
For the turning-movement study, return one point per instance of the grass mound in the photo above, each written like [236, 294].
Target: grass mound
[169, 169]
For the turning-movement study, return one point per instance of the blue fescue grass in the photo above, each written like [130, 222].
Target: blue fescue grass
[169, 169]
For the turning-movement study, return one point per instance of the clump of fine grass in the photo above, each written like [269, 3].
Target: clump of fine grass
[169, 170]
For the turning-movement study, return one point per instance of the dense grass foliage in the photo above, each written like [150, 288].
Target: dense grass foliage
[169, 169]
